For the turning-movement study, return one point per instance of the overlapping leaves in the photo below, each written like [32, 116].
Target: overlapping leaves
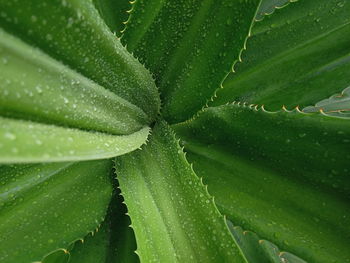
[70, 91]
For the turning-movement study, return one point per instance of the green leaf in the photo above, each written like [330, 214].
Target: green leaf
[172, 214]
[122, 242]
[114, 13]
[74, 33]
[188, 46]
[268, 6]
[93, 248]
[36, 87]
[257, 250]
[113, 241]
[25, 141]
[283, 175]
[338, 103]
[297, 56]
[45, 207]
[59, 256]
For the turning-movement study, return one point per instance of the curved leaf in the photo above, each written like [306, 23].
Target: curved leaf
[74, 33]
[189, 46]
[257, 250]
[45, 207]
[114, 13]
[283, 175]
[113, 242]
[94, 248]
[297, 56]
[268, 6]
[34, 86]
[174, 218]
[336, 103]
[25, 141]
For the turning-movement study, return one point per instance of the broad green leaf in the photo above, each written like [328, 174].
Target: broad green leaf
[114, 13]
[113, 241]
[256, 250]
[189, 46]
[34, 86]
[172, 214]
[74, 33]
[26, 141]
[45, 207]
[93, 248]
[338, 103]
[283, 175]
[268, 6]
[297, 56]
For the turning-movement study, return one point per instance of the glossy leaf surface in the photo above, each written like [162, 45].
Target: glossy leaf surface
[297, 56]
[35, 86]
[74, 33]
[189, 46]
[45, 207]
[283, 175]
[25, 141]
[173, 216]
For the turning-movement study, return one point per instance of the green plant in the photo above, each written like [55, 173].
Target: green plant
[76, 106]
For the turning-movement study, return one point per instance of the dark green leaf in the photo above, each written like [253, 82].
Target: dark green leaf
[45, 207]
[74, 33]
[189, 46]
[297, 56]
[114, 13]
[173, 216]
[25, 141]
[283, 175]
[113, 242]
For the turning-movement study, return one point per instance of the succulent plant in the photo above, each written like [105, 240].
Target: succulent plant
[174, 131]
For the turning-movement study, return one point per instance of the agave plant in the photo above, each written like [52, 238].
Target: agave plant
[101, 100]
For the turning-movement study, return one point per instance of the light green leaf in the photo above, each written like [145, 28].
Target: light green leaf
[189, 46]
[257, 250]
[114, 13]
[173, 216]
[34, 86]
[338, 103]
[25, 141]
[297, 56]
[45, 207]
[74, 33]
[268, 6]
[283, 175]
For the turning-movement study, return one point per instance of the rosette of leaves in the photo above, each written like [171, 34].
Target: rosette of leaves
[120, 122]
